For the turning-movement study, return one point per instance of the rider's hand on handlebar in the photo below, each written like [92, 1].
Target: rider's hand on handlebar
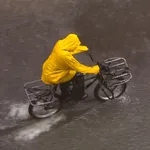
[104, 68]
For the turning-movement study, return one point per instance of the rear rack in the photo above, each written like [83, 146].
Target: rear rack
[36, 90]
[119, 71]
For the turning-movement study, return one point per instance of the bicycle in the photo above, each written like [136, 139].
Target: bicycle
[114, 74]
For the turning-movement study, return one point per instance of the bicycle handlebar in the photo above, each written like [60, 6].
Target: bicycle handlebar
[103, 67]
[90, 55]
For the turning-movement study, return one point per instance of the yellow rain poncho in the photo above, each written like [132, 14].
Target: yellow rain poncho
[61, 66]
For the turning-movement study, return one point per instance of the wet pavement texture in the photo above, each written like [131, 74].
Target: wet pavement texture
[29, 30]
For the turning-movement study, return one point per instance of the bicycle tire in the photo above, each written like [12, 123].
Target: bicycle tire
[32, 113]
[102, 99]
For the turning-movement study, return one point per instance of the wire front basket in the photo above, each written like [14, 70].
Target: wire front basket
[36, 90]
[119, 72]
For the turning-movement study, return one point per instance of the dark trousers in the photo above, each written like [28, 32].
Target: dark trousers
[78, 86]
[65, 89]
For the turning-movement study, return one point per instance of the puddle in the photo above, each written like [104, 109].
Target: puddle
[18, 112]
[12, 113]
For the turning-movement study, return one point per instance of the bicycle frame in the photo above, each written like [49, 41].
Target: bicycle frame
[95, 78]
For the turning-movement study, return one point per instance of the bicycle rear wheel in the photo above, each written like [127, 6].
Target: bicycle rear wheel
[105, 95]
[40, 110]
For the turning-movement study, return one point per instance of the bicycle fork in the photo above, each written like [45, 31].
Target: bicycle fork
[104, 87]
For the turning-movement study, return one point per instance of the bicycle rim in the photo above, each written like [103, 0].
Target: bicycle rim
[44, 111]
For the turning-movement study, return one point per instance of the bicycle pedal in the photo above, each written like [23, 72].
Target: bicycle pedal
[85, 96]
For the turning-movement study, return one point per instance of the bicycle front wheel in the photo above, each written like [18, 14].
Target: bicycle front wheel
[105, 95]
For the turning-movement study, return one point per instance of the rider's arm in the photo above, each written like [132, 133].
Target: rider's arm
[75, 65]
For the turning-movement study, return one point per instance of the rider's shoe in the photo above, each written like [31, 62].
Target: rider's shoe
[63, 96]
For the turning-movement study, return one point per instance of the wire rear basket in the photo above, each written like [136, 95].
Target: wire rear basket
[119, 71]
[36, 90]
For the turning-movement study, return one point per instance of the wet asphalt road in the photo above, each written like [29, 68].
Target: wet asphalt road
[28, 31]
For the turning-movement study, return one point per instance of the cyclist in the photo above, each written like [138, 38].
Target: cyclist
[61, 67]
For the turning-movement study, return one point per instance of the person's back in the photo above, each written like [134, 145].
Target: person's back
[61, 66]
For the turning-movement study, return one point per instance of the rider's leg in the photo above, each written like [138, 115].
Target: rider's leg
[78, 86]
[65, 89]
